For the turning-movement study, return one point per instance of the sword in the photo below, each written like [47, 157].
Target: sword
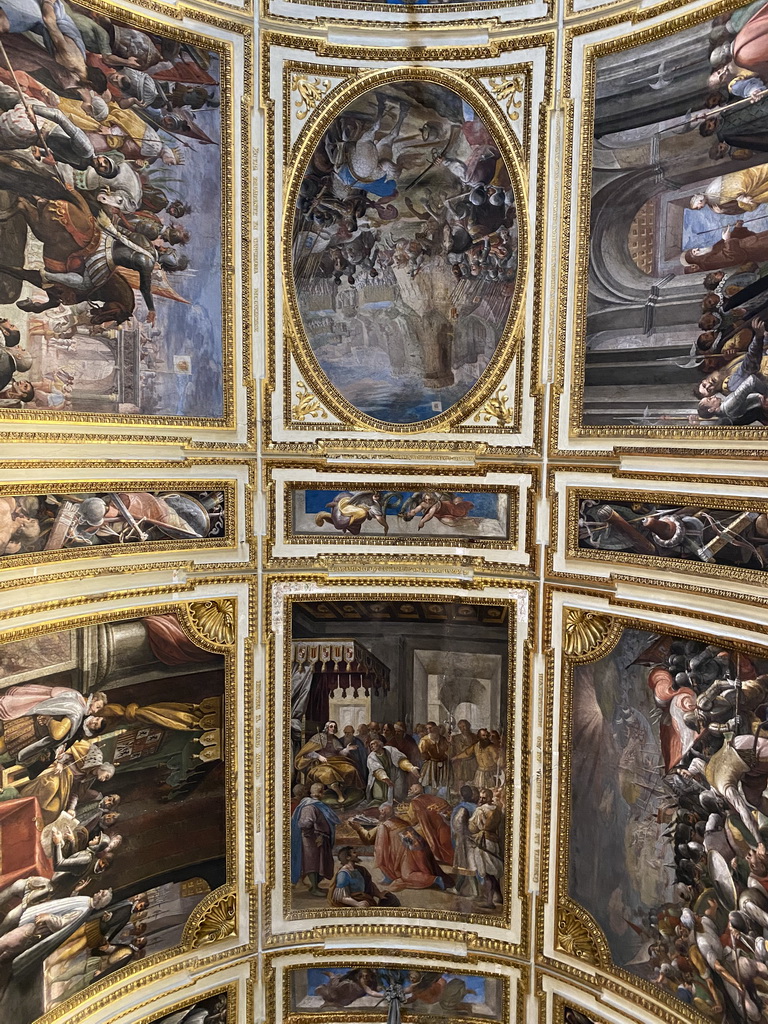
[128, 517]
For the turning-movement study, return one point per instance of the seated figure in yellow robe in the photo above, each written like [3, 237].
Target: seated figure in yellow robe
[325, 759]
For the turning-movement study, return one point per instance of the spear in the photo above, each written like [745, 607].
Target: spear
[30, 112]
[705, 115]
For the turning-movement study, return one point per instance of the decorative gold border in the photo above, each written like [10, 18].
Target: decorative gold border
[233, 241]
[712, 570]
[185, 611]
[517, 973]
[518, 709]
[363, 1014]
[334, 103]
[573, 307]
[159, 1015]
[496, 8]
[403, 435]
[577, 935]
[117, 551]
[512, 493]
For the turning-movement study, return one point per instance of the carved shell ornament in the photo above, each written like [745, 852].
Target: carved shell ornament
[585, 632]
[574, 937]
[214, 620]
[218, 921]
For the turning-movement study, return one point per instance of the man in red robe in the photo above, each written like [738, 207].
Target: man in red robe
[431, 815]
[401, 854]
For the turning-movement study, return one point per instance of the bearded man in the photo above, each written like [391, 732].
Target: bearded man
[486, 755]
[387, 772]
[464, 770]
[401, 854]
[436, 760]
[431, 815]
[485, 851]
[325, 760]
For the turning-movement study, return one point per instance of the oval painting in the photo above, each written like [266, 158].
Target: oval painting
[405, 250]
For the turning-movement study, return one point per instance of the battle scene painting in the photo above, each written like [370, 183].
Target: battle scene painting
[668, 835]
[678, 258]
[110, 186]
[419, 993]
[55, 522]
[399, 738]
[697, 533]
[405, 250]
[429, 513]
[112, 806]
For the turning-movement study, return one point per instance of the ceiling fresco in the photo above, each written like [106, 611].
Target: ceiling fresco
[383, 512]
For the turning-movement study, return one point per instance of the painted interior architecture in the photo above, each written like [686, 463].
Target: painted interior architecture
[383, 512]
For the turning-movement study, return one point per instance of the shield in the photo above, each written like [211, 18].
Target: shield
[191, 511]
[722, 880]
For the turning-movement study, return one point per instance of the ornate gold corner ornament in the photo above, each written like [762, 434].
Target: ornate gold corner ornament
[217, 922]
[497, 408]
[213, 621]
[311, 92]
[575, 938]
[588, 635]
[307, 405]
[506, 90]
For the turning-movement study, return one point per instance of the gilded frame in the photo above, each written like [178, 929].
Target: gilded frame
[300, 408]
[515, 549]
[702, 571]
[378, 15]
[233, 548]
[281, 592]
[279, 968]
[613, 32]
[217, 928]
[157, 1016]
[232, 42]
[568, 938]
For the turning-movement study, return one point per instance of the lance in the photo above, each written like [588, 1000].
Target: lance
[30, 112]
[754, 220]
[705, 115]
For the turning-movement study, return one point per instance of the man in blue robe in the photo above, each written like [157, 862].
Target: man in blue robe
[313, 832]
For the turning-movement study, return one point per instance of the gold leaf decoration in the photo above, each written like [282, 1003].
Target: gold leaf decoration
[214, 620]
[585, 631]
[306, 405]
[311, 92]
[509, 91]
[574, 938]
[497, 408]
[217, 923]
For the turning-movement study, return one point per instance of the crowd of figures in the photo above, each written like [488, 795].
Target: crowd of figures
[63, 755]
[707, 943]
[95, 120]
[50, 734]
[405, 250]
[737, 537]
[732, 344]
[425, 809]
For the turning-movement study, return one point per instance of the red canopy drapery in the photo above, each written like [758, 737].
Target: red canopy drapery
[338, 664]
